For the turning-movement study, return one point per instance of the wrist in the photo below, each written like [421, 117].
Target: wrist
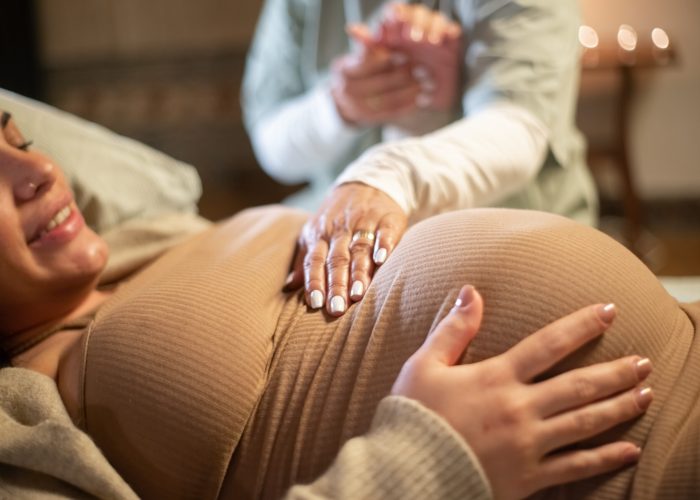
[428, 438]
[341, 111]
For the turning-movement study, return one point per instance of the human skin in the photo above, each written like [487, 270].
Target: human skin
[370, 88]
[328, 263]
[434, 44]
[515, 425]
[57, 268]
[46, 274]
[400, 75]
[30, 182]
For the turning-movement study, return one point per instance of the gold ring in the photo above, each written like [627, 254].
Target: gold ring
[367, 235]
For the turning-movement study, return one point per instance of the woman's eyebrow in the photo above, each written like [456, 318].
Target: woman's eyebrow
[5, 118]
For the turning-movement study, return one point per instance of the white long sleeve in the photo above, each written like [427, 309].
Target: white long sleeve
[302, 137]
[476, 161]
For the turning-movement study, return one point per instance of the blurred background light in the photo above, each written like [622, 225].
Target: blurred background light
[659, 38]
[627, 37]
[588, 37]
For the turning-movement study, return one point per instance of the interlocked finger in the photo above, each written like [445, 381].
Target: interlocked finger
[383, 83]
[369, 62]
[419, 23]
[436, 29]
[390, 104]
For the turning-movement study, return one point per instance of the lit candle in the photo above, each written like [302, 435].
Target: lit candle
[627, 37]
[627, 40]
[660, 45]
[588, 38]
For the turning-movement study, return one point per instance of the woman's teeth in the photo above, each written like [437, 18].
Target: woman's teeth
[58, 219]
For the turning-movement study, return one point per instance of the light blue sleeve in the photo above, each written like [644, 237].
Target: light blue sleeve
[527, 53]
[291, 117]
[273, 66]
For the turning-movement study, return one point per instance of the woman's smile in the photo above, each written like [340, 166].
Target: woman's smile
[65, 224]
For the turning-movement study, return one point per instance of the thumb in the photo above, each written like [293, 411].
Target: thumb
[454, 333]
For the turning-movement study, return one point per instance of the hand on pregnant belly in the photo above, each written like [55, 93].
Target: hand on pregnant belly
[517, 427]
[354, 231]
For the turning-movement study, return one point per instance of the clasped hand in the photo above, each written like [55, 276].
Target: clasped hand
[412, 64]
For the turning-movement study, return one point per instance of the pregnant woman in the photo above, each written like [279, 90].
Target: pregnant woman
[198, 377]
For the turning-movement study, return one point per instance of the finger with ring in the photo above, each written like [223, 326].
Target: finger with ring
[363, 235]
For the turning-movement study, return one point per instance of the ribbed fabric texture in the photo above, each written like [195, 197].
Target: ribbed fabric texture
[201, 354]
[398, 459]
[176, 361]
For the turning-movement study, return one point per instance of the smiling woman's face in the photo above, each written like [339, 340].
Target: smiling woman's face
[49, 258]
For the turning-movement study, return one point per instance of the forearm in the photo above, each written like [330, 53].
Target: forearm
[409, 452]
[293, 124]
[303, 135]
[474, 162]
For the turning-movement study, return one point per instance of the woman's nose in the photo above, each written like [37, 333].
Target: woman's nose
[33, 174]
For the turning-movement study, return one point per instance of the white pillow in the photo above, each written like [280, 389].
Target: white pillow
[114, 178]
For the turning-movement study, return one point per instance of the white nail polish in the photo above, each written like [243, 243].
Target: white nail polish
[427, 86]
[416, 34]
[337, 304]
[399, 58]
[316, 299]
[420, 73]
[423, 100]
[380, 256]
[357, 288]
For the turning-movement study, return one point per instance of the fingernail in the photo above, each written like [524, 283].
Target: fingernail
[434, 38]
[398, 58]
[453, 30]
[423, 100]
[416, 34]
[466, 296]
[316, 299]
[337, 304]
[380, 256]
[643, 368]
[607, 312]
[644, 397]
[288, 281]
[420, 73]
[357, 289]
[632, 454]
[427, 86]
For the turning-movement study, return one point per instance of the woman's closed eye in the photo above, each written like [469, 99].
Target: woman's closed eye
[12, 134]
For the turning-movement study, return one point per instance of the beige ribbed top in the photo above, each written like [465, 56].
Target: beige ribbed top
[201, 355]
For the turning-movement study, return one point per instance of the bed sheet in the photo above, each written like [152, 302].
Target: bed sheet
[683, 288]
